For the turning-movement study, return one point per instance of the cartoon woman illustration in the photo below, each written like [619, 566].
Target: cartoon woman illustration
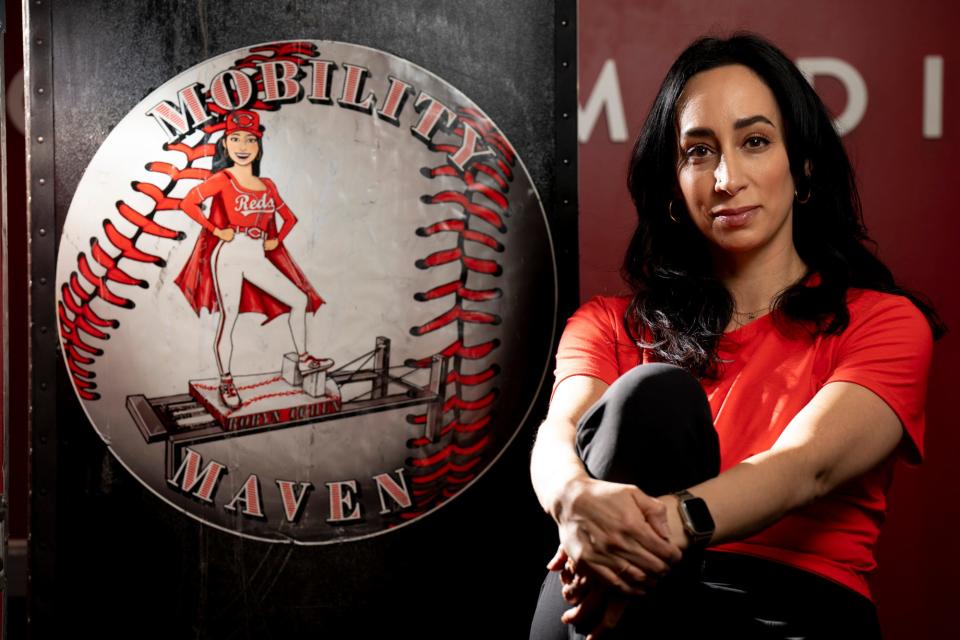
[239, 263]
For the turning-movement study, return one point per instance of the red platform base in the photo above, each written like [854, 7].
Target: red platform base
[267, 400]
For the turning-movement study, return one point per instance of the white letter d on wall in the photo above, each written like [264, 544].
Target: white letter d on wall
[852, 82]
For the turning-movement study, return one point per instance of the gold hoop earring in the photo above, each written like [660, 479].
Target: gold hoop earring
[670, 213]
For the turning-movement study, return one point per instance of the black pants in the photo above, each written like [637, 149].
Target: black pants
[653, 428]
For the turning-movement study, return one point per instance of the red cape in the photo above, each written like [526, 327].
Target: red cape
[196, 278]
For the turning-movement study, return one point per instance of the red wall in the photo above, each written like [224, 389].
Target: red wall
[908, 185]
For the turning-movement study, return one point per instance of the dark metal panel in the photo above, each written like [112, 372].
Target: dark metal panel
[565, 174]
[5, 324]
[38, 67]
[99, 539]
[133, 47]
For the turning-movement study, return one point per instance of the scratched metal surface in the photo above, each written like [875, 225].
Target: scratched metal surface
[112, 54]
[114, 550]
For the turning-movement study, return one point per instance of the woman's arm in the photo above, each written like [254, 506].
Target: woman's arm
[289, 220]
[554, 461]
[190, 205]
[286, 215]
[613, 530]
[843, 432]
[873, 401]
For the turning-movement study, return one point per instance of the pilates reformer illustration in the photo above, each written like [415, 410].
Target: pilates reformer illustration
[288, 398]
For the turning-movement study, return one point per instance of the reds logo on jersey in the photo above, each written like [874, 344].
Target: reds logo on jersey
[355, 354]
[248, 204]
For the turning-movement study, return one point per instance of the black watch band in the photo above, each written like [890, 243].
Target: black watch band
[696, 518]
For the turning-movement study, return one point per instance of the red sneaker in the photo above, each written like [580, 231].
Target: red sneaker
[309, 364]
[229, 395]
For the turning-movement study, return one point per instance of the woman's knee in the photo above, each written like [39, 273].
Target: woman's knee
[652, 395]
[655, 383]
[653, 416]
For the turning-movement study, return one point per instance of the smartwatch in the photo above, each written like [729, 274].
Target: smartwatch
[696, 518]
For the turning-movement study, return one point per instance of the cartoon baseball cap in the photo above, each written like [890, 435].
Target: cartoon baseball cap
[243, 120]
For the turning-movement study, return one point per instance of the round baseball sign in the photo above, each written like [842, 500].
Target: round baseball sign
[306, 292]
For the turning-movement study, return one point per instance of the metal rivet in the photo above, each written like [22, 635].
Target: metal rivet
[41, 90]
[564, 23]
[565, 201]
[40, 139]
[42, 181]
[43, 386]
[564, 64]
[564, 115]
[42, 231]
[566, 161]
[39, 42]
[43, 329]
[43, 439]
[43, 280]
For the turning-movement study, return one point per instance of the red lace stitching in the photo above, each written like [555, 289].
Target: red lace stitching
[78, 321]
[438, 470]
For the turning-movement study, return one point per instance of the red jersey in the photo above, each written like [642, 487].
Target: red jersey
[771, 373]
[234, 206]
[242, 207]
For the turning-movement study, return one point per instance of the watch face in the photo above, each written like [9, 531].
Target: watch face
[699, 515]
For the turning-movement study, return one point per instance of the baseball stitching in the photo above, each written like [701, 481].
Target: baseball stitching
[441, 469]
[438, 470]
[75, 308]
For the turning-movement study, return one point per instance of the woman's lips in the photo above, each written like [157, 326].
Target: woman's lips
[734, 217]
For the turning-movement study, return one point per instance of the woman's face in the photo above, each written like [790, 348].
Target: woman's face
[733, 168]
[242, 147]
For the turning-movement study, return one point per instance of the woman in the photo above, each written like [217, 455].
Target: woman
[239, 263]
[784, 373]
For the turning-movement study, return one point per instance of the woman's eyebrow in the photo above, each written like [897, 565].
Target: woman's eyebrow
[698, 132]
[746, 122]
[742, 123]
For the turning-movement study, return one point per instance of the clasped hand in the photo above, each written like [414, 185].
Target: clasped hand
[611, 535]
[617, 532]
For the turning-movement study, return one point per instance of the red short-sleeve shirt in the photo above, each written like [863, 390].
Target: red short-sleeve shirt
[770, 373]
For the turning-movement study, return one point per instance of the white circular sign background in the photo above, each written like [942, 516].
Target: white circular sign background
[399, 241]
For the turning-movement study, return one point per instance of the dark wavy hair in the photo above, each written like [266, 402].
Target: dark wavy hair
[668, 265]
[221, 159]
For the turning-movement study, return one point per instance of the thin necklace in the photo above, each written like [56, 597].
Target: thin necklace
[750, 315]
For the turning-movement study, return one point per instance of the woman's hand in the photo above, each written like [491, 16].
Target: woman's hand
[270, 244]
[574, 585]
[224, 234]
[616, 532]
[600, 611]
[596, 606]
